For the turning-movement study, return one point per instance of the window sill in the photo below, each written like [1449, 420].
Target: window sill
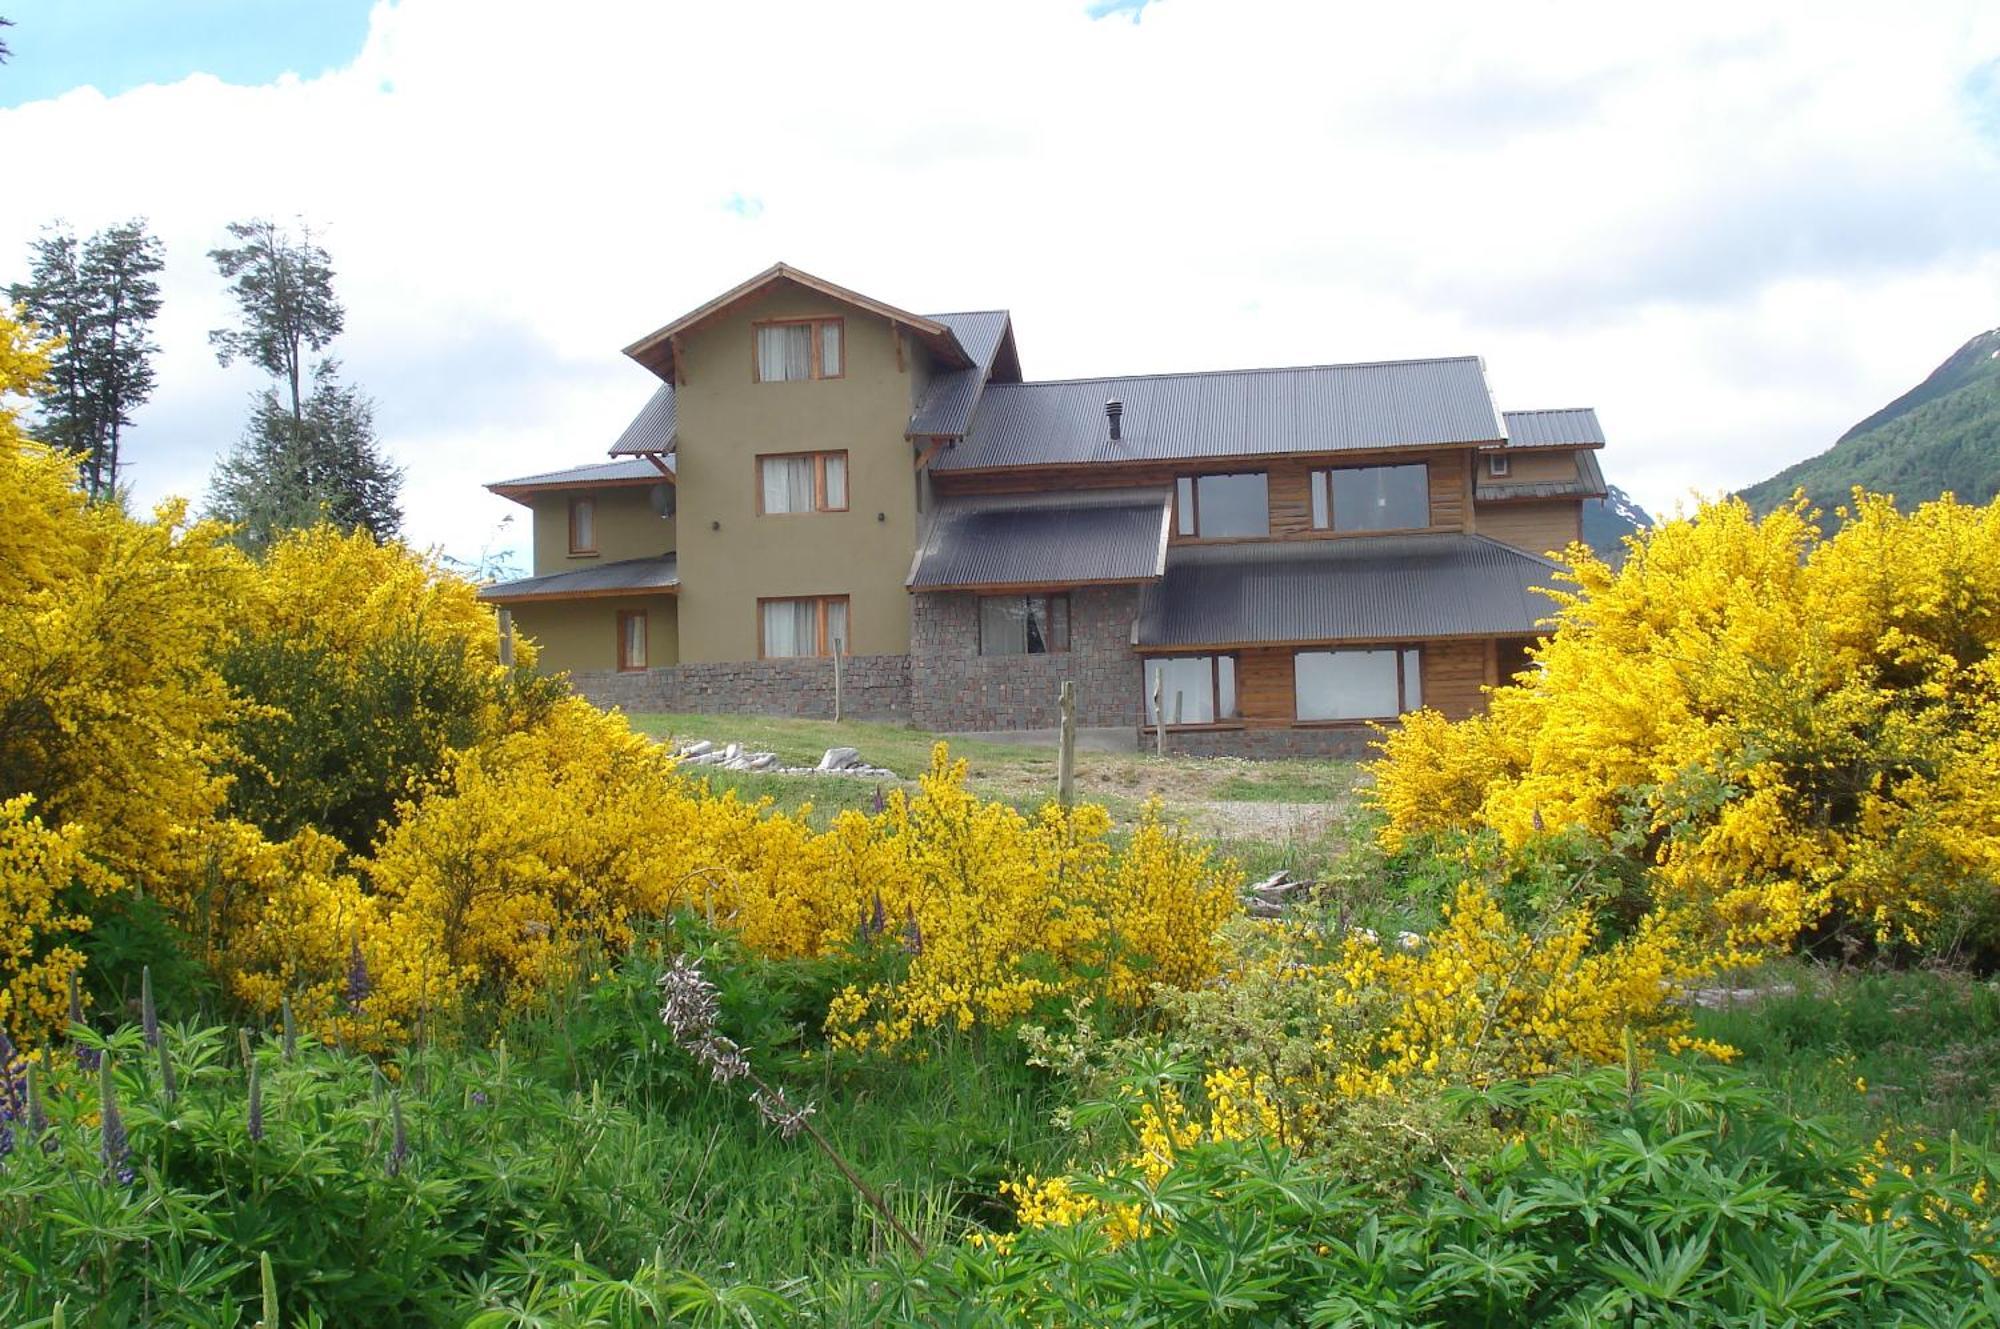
[582, 553]
[1220, 727]
[1344, 724]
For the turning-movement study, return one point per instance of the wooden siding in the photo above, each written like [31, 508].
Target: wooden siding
[1454, 672]
[1448, 506]
[1538, 528]
[1528, 466]
[1264, 685]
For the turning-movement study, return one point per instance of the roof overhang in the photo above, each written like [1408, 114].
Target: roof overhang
[659, 351]
[499, 596]
[1045, 542]
[523, 494]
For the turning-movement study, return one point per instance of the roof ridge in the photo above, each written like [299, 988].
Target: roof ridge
[1255, 369]
[1549, 410]
[961, 313]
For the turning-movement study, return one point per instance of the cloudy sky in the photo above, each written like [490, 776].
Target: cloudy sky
[1732, 228]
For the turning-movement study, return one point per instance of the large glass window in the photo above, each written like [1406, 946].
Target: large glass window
[799, 349]
[1357, 685]
[802, 482]
[1219, 507]
[1193, 689]
[807, 626]
[1372, 498]
[1023, 624]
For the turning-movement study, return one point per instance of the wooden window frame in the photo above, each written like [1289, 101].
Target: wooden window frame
[820, 505]
[1402, 681]
[645, 645]
[1069, 624]
[822, 645]
[1221, 721]
[1327, 474]
[576, 550]
[1498, 464]
[1194, 490]
[818, 349]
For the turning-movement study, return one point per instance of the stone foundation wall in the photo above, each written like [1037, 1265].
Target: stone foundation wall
[954, 687]
[873, 687]
[1349, 744]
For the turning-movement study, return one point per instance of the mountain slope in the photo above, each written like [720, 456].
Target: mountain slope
[1943, 434]
[1608, 520]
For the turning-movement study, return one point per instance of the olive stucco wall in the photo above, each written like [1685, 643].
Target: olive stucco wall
[582, 635]
[726, 420]
[627, 527]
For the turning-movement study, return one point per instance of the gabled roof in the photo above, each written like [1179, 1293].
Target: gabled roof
[656, 350]
[629, 576]
[1569, 427]
[947, 408]
[1384, 588]
[653, 429]
[1092, 537]
[601, 475]
[1230, 413]
[1589, 483]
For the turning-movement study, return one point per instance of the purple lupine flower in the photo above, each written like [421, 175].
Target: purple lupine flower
[358, 983]
[689, 1011]
[149, 1014]
[399, 1139]
[255, 1120]
[114, 1147]
[36, 1118]
[913, 935]
[775, 1108]
[479, 1098]
[291, 1027]
[881, 803]
[14, 1094]
[87, 1058]
[877, 922]
[1538, 821]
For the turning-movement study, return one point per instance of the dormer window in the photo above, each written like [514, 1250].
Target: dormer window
[802, 348]
[582, 526]
[1497, 463]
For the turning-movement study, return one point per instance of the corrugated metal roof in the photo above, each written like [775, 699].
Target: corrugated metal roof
[1573, 427]
[1589, 483]
[637, 575]
[603, 472]
[1230, 413]
[652, 430]
[948, 406]
[1065, 539]
[1373, 588]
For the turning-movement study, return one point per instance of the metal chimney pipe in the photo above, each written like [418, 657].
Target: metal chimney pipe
[1113, 410]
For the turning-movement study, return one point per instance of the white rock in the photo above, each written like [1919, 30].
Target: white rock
[732, 752]
[697, 748]
[1409, 941]
[839, 759]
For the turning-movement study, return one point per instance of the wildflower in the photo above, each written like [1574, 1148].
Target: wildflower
[479, 1098]
[399, 1138]
[149, 1015]
[291, 1029]
[777, 1109]
[255, 1121]
[913, 934]
[880, 804]
[36, 1118]
[87, 1058]
[114, 1147]
[358, 984]
[13, 1095]
[877, 922]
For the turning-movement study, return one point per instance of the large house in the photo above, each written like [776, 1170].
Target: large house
[1280, 556]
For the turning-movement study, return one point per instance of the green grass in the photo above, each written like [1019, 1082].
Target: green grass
[1912, 1048]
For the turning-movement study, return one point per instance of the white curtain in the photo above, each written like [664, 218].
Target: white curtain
[635, 642]
[788, 484]
[836, 480]
[784, 352]
[836, 626]
[1345, 685]
[788, 628]
[829, 350]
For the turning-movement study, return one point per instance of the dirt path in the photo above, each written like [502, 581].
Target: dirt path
[1274, 823]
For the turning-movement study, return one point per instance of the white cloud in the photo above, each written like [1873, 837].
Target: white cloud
[1734, 229]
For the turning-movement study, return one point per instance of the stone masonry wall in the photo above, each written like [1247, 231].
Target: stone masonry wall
[1348, 743]
[873, 687]
[954, 687]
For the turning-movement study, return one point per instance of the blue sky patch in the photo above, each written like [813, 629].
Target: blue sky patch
[1131, 9]
[117, 45]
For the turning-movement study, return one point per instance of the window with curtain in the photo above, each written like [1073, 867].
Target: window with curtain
[1023, 624]
[582, 526]
[806, 626]
[1221, 507]
[804, 482]
[1372, 498]
[1357, 685]
[632, 639]
[1194, 689]
[800, 349]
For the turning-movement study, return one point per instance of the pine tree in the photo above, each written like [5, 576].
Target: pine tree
[100, 296]
[306, 456]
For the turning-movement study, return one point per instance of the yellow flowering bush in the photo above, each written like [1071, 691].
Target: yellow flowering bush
[1790, 727]
[38, 867]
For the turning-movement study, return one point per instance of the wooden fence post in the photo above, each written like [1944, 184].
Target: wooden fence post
[1159, 712]
[836, 680]
[1066, 753]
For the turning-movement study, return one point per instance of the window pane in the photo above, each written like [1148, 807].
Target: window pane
[1345, 685]
[781, 636]
[1189, 691]
[1035, 610]
[1381, 498]
[1413, 680]
[1003, 625]
[829, 350]
[836, 480]
[582, 535]
[634, 645]
[1184, 504]
[836, 627]
[784, 352]
[1233, 505]
[1322, 510]
[1225, 685]
[1059, 622]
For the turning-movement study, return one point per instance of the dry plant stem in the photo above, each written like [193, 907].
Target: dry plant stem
[868, 1193]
